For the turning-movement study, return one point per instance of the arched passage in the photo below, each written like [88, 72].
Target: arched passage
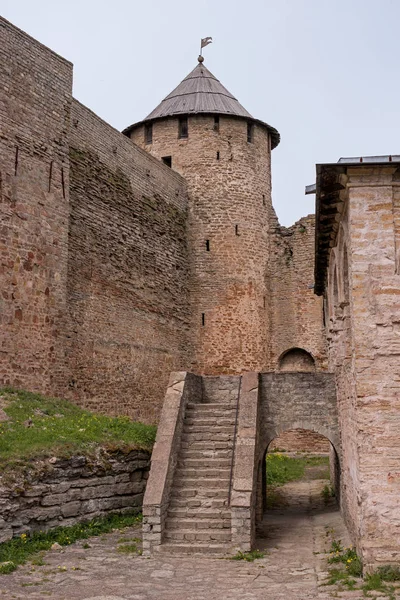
[296, 483]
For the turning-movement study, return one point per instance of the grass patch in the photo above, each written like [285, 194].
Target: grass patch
[18, 550]
[347, 557]
[281, 468]
[129, 549]
[248, 556]
[39, 427]
[374, 582]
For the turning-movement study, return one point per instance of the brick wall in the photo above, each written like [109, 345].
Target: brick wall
[127, 272]
[229, 183]
[35, 99]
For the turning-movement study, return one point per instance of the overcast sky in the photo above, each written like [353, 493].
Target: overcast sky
[325, 73]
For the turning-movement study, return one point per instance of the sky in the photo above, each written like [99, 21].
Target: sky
[325, 73]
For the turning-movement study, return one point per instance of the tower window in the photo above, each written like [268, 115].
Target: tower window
[203, 319]
[183, 127]
[148, 133]
[216, 123]
[236, 229]
[208, 245]
[250, 133]
[167, 160]
[263, 199]
[218, 155]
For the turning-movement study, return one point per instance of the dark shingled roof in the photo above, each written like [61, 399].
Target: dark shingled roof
[202, 92]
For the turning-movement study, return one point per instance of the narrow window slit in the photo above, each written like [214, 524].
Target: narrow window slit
[250, 133]
[263, 196]
[203, 319]
[16, 160]
[50, 174]
[208, 245]
[148, 133]
[236, 229]
[62, 182]
[218, 155]
[183, 131]
[216, 123]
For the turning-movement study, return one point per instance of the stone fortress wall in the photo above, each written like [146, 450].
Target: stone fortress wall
[361, 289]
[93, 246]
[106, 273]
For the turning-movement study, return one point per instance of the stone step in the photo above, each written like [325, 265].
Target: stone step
[199, 513]
[207, 445]
[190, 492]
[200, 473]
[197, 548]
[207, 422]
[205, 453]
[198, 428]
[207, 436]
[194, 535]
[214, 408]
[197, 524]
[198, 504]
[201, 483]
[204, 463]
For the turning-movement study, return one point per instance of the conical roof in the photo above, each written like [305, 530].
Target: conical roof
[202, 93]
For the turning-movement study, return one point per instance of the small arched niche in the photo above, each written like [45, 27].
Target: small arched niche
[296, 360]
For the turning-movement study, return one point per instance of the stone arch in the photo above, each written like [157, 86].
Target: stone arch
[297, 360]
[334, 461]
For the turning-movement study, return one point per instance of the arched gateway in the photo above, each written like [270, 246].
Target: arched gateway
[204, 484]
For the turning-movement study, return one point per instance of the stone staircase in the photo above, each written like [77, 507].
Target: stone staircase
[199, 516]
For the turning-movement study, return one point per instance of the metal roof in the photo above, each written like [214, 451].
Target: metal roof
[201, 92]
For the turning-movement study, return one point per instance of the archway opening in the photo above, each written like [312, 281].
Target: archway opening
[296, 359]
[298, 479]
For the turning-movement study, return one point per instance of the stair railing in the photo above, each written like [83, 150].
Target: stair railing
[234, 442]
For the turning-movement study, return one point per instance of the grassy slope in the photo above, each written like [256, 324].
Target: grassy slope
[282, 468]
[40, 427]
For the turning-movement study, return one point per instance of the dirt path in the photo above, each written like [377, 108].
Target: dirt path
[294, 566]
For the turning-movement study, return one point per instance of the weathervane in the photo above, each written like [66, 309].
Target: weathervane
[204, 42]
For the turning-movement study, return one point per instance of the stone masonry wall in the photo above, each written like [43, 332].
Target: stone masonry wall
[65, 492]
[127, 272]
[35, 102]
[363, 307]
[296, 312]
[229, 183]
[300, 440]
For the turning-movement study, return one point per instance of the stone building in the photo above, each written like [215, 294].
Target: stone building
[128, 256]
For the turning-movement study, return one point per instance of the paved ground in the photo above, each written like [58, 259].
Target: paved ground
[294, 567]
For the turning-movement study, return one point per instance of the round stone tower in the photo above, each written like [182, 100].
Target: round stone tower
[204, 133]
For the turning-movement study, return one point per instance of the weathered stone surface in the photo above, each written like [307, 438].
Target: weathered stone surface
[33, 505]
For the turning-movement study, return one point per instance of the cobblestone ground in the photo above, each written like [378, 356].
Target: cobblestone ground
[294, 567]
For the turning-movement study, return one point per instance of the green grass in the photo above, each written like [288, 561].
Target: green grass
[18, 550]
[347, 557]
[60, 428]
[282, 469]
[250, 556]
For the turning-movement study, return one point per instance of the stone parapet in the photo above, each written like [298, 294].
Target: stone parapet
[244, 481]
[181, 387]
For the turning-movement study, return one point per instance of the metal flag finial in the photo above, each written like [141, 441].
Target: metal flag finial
[204, 42]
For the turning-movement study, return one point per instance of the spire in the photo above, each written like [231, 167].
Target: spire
[202, 93]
